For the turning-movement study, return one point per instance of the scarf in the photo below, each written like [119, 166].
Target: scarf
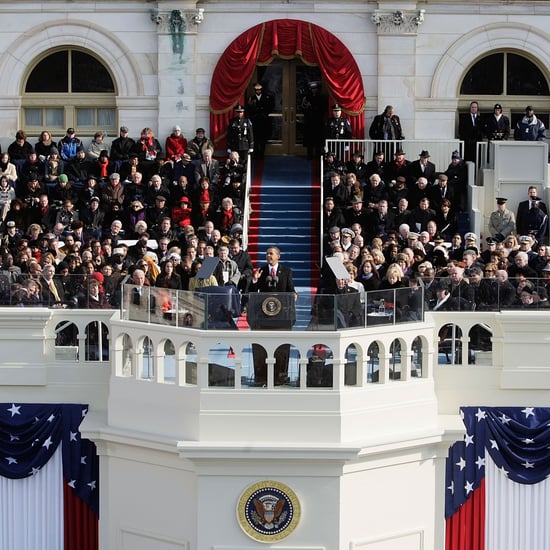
[227, 219]
[103, 165]
[147, 143]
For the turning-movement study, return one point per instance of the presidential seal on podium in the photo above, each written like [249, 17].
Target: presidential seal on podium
[268, 511]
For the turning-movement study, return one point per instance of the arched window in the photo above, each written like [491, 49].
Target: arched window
[69, 88]
[508, 78]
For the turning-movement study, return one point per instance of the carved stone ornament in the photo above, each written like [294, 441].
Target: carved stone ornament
[177, 21]
[398, 22]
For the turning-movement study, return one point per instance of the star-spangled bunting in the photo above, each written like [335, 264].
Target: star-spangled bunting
[516, 438]
[31, 433]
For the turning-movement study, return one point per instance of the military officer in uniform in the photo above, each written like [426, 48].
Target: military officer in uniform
[502, 221]
[338, 127]
[240, 136]
[259, 107]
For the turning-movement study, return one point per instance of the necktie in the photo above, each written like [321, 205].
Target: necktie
[272, 273]
[54, 291]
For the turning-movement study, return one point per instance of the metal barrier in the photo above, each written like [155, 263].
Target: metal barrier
[246, 205]
[440, 150]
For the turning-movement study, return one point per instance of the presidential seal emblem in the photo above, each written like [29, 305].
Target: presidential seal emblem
[268, 511]
[272, 306]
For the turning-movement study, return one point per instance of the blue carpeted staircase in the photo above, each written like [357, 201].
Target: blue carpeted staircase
[283, 198]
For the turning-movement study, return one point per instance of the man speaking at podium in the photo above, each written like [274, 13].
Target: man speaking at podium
[273, 309]
[273, 277]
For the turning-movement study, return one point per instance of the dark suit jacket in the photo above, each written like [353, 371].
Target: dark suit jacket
[393, 171]
[283, 282]
[47, 296]
[212, 171]
[429, 171]
[141, 299]
[435, 196]
[376, 130]
[523, 208]
[469, 131]
[378, 226]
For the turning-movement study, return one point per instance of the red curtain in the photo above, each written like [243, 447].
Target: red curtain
[285, 39]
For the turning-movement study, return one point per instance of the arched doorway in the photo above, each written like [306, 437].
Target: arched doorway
[274, 41]
[289, 82]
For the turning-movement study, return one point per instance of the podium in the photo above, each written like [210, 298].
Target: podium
[271, 311]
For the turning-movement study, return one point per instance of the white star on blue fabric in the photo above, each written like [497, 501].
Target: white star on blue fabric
[14, 438]
[82, 460]
[469, 487]
[528, 411]
[51, 418]
[504, 419]
[461, 464]
[48, 443]
[14, 409]
[469, 439]
[11, 460]
[451, 487]
[480, 462]
[528, 441]
[528, 464]
[72, 436]
[481, 415]
[72, 483]
[494, 444]
[34, 471]
[91, 485]
[502, 470]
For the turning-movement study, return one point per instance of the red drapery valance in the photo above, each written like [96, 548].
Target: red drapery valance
[285, 39]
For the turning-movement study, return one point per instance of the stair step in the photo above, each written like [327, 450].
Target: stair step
[294, 248]
[282, 193]
[281, 214]
[282, 210]
[282, 222]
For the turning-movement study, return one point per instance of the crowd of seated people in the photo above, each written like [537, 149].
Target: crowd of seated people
[396, 224]
[99, 213]
[75, 221]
